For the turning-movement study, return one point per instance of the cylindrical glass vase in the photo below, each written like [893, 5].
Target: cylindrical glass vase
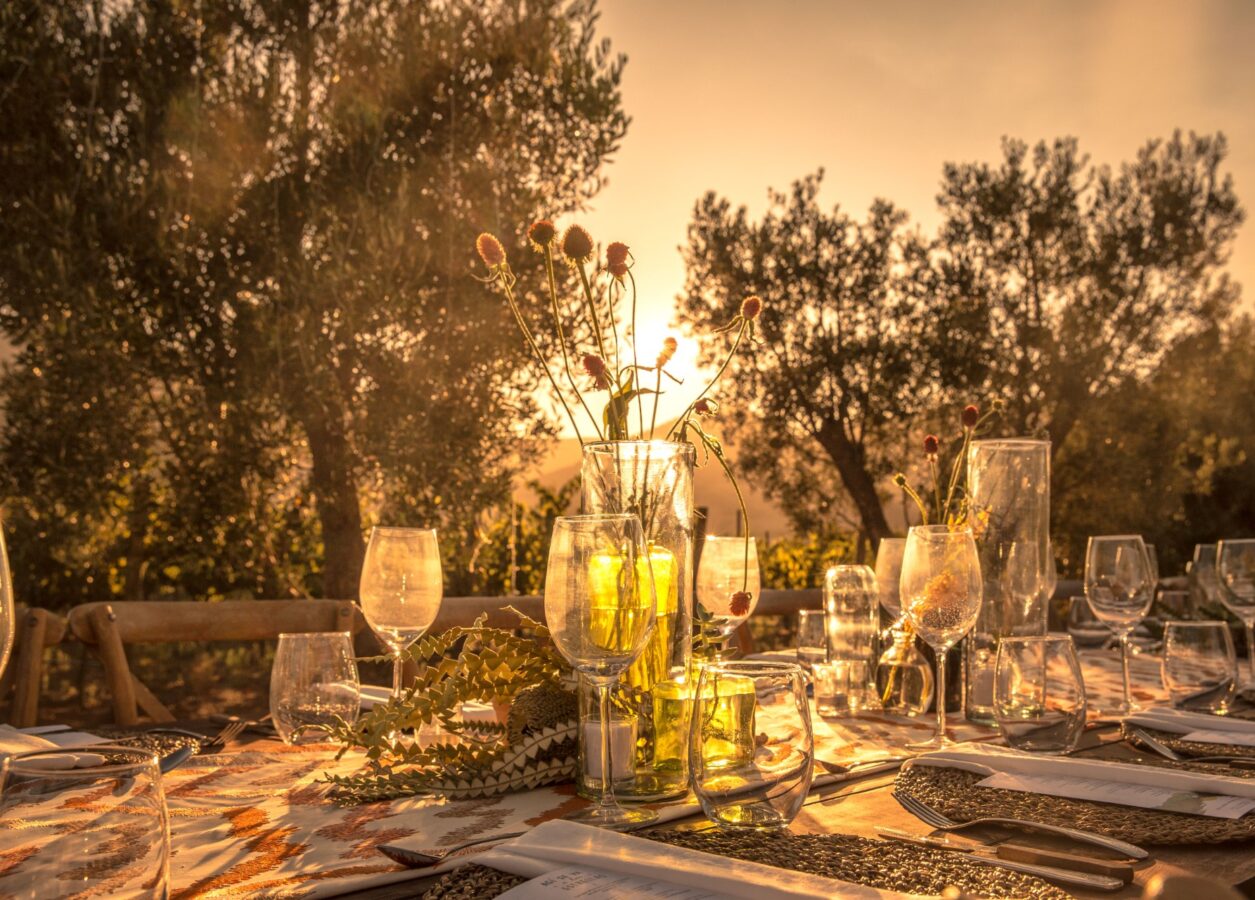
[653, 479]
[1008, 484]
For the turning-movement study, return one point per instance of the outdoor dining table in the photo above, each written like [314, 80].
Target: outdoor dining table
[256, 819]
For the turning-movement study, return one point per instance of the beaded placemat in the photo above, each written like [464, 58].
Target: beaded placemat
[1173, 741]
[889, 865]
[954, 794]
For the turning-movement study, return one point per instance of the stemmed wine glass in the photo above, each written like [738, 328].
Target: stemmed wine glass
[727, 567]
[400, 589]
[1235, 566]
[941, 596]
[1120, 588]
[599, 605]
[7, 615]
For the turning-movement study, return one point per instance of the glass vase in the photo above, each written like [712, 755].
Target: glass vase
[653, 699]
[1008, 489]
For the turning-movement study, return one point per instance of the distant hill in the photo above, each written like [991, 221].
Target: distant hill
[711, 488]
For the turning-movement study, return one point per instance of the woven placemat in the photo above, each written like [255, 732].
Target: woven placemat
[890, 865]
[1173, 741]
[953, 793]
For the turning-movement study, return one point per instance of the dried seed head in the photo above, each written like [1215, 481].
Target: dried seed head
[490, 250]
[577, 244]
[541, 234]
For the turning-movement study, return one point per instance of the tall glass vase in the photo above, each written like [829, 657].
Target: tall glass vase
[1008, 483]
[652, 700]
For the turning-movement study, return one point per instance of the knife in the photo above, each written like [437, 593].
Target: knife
[1064, 868]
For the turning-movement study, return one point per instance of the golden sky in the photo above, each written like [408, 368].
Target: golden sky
[739, 96]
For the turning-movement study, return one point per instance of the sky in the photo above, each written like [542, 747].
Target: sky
[738, 97]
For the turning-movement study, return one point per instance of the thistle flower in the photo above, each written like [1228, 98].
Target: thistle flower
[971, 415]
[596, 367]
[490, 250]
[617, 259]
[577, 245]
[705, 407]
[740, 605]
[669, 346]
[931, 445]
[541, 234]
[751, 307]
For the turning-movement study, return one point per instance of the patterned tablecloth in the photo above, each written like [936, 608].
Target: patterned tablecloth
[256, 823]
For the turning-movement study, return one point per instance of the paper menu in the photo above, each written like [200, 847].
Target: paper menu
[577, 882]
[1140, 795]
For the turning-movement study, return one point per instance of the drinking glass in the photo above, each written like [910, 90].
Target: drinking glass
[8, 617]
[1119, 590]
[941, 594]
[812, 638]
[313, 682]
[1200, 669]
[599, 605]
[728, 565]
[852, 620]
[752, 749]
[1235, 565]
[1204, 581]
[1039, 693]
[889, 574]
[1084, 627]
[400, 589]
[97, 831]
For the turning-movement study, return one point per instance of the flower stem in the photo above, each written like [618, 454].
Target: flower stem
[566, 359]
[640, 398]
[592, 312]
[740, 335]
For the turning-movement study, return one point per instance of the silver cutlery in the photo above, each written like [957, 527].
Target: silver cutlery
[930, 816]
[172, 761]
[1142, 739]
[418, 859]
[835, 768]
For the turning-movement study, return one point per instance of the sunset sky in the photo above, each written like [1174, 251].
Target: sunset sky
[738, 96]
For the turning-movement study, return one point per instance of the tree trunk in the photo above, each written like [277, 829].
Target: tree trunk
[335, 498]
[851, 463]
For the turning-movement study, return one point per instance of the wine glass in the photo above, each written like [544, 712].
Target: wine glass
[7, 615]
[599, 606]
[1235, 566]
[1119, 589]
[889, 574]
[729, 565]
[941, 594]
[400, 589]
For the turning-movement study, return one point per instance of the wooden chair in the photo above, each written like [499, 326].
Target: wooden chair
[106, 629]
[37, 630]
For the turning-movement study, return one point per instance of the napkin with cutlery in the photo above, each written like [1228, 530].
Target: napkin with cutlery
[1196, 726]
[566, 854]
[1106, 781]
[14, 741]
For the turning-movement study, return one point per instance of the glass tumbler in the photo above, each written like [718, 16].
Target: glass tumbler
[1039, 693]
[765, 787]
[97, 830]
[812, 638]
[313, 682]
[1200, 668]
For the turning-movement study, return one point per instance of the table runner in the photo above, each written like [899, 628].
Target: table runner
[256, 823]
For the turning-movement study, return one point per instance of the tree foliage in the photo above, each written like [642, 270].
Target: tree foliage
[235, 271]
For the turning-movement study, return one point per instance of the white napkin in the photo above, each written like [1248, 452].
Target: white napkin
[559, 845]
[1126, 779]
[1195, 726]
[13, 742]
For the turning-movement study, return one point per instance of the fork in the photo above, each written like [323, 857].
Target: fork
[229, 732]
[930, 816]
[1143, 739]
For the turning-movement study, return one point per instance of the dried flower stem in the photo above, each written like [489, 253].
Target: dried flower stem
[592, 312]
[636, 372]
[566, 359]
[740, 335]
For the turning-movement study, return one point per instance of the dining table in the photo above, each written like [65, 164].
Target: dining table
[258, 819]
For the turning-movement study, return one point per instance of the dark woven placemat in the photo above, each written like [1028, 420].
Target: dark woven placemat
[953, 793]
[162, 743]
[890, 865]
[1173, 741]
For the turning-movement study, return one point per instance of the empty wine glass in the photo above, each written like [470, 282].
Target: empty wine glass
[400, 589]
[599, 605]
[97, 830]
[941, 595]
[1235, 566]
[1039, 693]
[313, 682]
[1119, 590]
[7, 615]
[1200, 669]
[729, 566]
[889, 574]
[1204, 582]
